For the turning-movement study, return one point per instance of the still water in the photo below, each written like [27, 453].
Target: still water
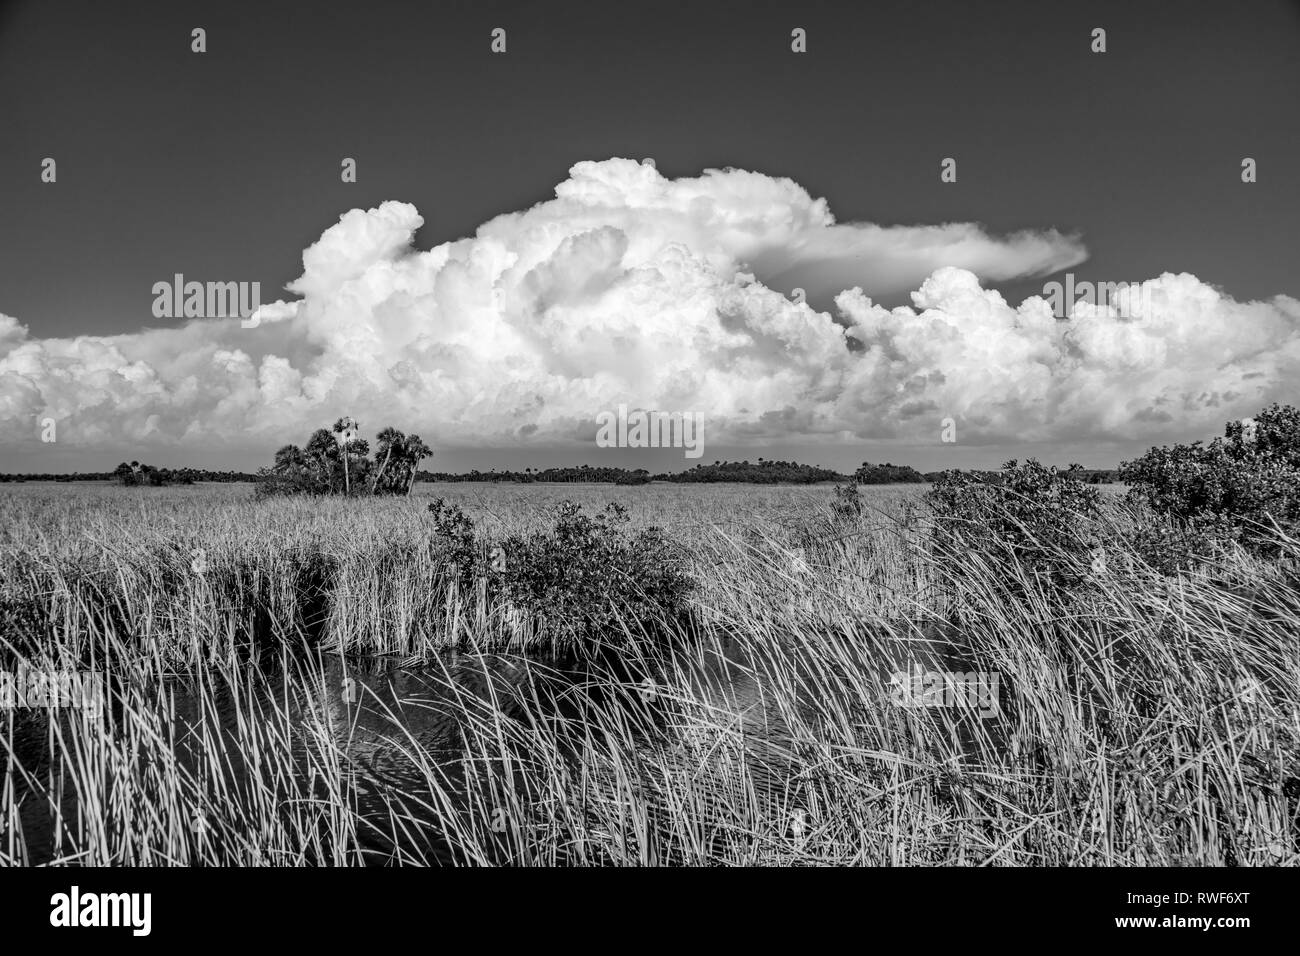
[392, 728]
[389, 728]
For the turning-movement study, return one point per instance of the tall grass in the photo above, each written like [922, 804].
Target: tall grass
[1145, 719]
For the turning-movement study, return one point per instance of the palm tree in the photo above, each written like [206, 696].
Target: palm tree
[346, 429]
[321, 445]
[288, 458]
[416, 451]
[389, 438]
[321, 449]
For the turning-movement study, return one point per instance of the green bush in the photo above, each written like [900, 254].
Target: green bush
[1239, 488]
[455, 529]
[586, 578]
[1039, 518]
[846, 502]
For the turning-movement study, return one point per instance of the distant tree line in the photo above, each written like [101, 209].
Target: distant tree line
[322, 467]
[179, 476]
[578, 473]
[886, 474]
[762, 472]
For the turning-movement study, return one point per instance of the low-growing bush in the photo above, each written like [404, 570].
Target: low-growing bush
[455, 531]
[845, 501]
[1168, 546]
[1240, 488]
[586, 578]
[1037, 517]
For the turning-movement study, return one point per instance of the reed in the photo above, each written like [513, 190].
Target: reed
[1144, 719]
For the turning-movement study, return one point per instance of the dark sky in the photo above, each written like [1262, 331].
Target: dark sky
[227, 164]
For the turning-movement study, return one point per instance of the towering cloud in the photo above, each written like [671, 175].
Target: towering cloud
[629, 288]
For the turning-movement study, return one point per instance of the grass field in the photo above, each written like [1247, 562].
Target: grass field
[303, 681]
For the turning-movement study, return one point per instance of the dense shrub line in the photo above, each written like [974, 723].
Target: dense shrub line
[1189, 506]
[1242, 488]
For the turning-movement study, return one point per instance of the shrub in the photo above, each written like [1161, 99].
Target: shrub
[1236, 489]
[846, 502]
[1037, 517]
[1168, 546]
[587, 578]
[455, 529]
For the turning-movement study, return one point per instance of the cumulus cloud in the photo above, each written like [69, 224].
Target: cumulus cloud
[630, 288]
[1174, 357]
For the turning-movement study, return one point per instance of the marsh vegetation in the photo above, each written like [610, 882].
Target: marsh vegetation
[664, 674]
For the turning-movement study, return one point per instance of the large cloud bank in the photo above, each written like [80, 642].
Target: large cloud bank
[630, 288]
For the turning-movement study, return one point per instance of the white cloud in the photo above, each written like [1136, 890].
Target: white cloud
[632, 288]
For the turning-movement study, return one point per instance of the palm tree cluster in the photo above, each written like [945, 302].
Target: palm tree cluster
[338, 462]
[135, 473]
